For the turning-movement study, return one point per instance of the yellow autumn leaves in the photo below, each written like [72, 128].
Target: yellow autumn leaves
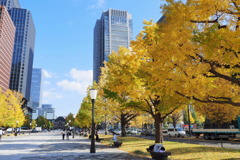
[11, 114]
[192, 55]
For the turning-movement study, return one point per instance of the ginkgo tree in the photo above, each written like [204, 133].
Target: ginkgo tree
[11, 113]
[107, 108]
[84, 116]
[192, 52]
[190, 56]
[70, 120]
[176, 117]
[129, 75]
[219, 114]
[196, 49]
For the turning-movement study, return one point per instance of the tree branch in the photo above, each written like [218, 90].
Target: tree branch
[169, 113]
[235, 4]
[224, 101]
[150, 108]
[206, 21]
[228, 78]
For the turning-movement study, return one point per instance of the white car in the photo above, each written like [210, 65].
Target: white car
[134, 131]
[117, 131]
[176, 132]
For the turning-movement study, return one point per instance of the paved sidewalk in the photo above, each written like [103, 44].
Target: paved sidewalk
[49, 146]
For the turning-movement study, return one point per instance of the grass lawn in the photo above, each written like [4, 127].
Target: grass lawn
[180, 151]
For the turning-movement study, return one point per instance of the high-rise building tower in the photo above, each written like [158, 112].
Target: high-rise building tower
[113, 30]
[7, 33]
[10, 3]
[36, 91]
[22, 61]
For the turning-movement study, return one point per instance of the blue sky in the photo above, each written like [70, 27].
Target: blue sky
[64, 43]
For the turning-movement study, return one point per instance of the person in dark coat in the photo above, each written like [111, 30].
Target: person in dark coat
[63, 134]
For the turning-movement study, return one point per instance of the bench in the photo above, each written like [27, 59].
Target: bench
[158, 155]
[117, 144]
[99, 139]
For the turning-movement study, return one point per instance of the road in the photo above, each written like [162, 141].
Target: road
[50, 146]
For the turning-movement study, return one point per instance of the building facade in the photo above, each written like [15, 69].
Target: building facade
[47, 111]
[36, 88]
[114, 29]
[10, 3]
[22, 61]
[36, 91]
[7, 33]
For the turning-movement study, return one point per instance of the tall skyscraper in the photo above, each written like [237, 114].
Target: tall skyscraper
[114, 29]
[36, 91]
[10, 3]
[7, 33]
[36, 88]
[22, 61]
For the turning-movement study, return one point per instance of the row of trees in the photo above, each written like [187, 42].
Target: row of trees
[11, 113]
[191, 57]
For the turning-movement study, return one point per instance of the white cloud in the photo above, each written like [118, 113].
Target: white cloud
[99, 4]
[47, 74]
[46, 82]
[51, 95]
[80, 81]
[81, 75]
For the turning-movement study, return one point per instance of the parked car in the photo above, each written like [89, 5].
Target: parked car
[34, 130]
[117, 131]
[147, 133]
[134, 131]
[111, 130]
[176, 132]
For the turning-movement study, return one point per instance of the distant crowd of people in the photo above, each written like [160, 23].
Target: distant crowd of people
[67, 133]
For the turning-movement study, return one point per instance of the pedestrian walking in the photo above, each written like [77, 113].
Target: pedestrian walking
[73, 133]
[68, 134]
[1, 133]
[63, 134]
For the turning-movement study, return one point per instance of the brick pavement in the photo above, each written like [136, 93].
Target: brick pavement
[49, 146]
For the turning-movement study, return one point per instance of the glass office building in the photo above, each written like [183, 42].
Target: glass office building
[10, 4]
[22, 60]
[36, 88]
[36, 91]
[47, 111]
[114, 29]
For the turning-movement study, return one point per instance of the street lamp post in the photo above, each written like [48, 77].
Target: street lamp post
[93, 95]
[16, 128]
[189, 121]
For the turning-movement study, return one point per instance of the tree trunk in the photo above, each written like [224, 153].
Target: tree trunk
[174, 124]
[123, 131]
[105, 125]
[159, 128]
[123, 124]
